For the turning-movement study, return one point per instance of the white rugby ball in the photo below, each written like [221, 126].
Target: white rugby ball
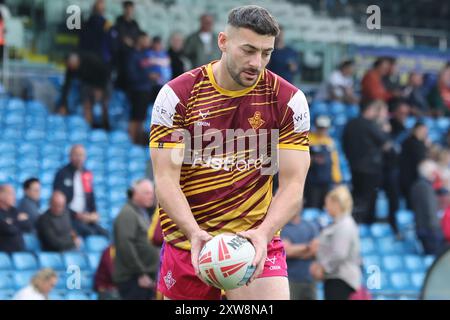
[225, 261]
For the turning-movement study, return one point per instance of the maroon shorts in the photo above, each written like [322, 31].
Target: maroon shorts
[177, 279]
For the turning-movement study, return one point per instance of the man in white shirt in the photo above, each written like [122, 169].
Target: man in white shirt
[339, 86]
[76, 182]
[41, 285]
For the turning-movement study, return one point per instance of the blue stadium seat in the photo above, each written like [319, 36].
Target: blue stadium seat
[76, 123]
[400, 281]
[51, 260]
[387, 245]
[405, 218]
[364, 230]
[22, 278]
[117, 166]
[138, 153]
[5, 262]
[94, 260]
[15, 105]
[56, 296]
[12, 135]
[393, 263]
[117, 196]
[367, 246]
[372, 260]
[7, 148]
[428, 261]
[137, 166]
[382, 207]
[24, 261]
[99, 137]
[417, 279]
[95, 152]
[119, 138]
[56, 123]
[15, 119]
[29, 150]
[6, 294]
[34, 135]
[50, 164]
[75, 258]
[76, 296]
[6, 281]
[78, 136]
[337, 108]
[117, 153]
[96, 243]
[7, 161]
[443, 123]
[414, 263]
[32, 242]
[57, 135]
[310, 214]
[379, 230]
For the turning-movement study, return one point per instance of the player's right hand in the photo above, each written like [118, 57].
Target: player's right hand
[198, 240]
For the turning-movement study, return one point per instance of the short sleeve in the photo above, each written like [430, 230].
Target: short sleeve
[167, 120]
[295, 124]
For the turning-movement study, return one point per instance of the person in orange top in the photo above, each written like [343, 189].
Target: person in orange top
[372, 87]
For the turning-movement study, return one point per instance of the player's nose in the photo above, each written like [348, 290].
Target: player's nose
[255, 62]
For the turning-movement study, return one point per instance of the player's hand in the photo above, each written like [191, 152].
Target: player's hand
[145, 281]
[22, 216]
[317, 271]
[259, 241]
[198, 240]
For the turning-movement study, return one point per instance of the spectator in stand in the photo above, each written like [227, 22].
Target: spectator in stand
[324, 170]
[424, 204]
[127, 33]
[159, 66]
[136, 260]
[414, 151]
[338, 260]
[392, 80]
[201, 47]
[439, 96]
[54, 227]
[391, 171]
[284, 59]
[298, 236]
[139, 86]
[97, 37]
[372, 86]
[95, 85]
[76, 183]
[40, 286]
[103, 281]
[179, 63]
[339, 86]
[13, 224]
[31, 201]
[363, 142]
[415, 95]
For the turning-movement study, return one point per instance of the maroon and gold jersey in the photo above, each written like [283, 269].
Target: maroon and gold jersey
[230, 137]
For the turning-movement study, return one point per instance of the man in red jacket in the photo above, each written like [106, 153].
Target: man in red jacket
[372, 87]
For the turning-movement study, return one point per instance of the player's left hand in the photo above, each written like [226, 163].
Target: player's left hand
[259, 241]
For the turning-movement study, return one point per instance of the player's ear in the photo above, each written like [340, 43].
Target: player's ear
[221, 41]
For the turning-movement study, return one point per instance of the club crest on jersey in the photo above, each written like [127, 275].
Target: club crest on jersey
[256, 121]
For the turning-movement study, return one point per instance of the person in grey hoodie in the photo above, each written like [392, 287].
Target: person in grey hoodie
[338, 261]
